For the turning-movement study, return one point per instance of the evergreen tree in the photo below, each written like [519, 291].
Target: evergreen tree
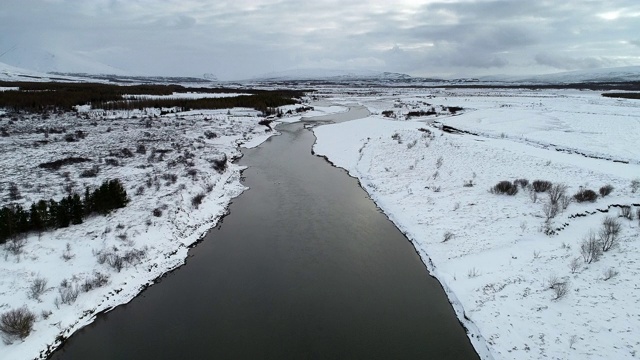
[76, 209]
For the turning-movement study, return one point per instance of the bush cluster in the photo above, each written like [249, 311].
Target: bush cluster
[541, 185]
[505, 187]
[585, 195]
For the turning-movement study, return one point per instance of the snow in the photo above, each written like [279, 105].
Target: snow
[72, 254]
[496, 267]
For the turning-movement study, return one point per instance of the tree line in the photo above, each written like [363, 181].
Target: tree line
[44, 97]
[70, 210]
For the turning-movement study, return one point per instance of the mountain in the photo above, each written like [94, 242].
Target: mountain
[44, 61]
[330, 75]
[13, 73]
[617, 74]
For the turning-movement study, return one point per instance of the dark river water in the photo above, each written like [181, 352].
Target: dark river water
[304, 267]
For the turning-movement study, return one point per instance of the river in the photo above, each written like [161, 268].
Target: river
[305, 266]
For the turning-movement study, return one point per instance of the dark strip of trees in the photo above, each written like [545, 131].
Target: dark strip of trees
[43, 97]
[73, 209]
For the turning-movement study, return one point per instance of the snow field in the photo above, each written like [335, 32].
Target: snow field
[155, 229]
[497, 264]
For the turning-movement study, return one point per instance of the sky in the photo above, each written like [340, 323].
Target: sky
[240, 39]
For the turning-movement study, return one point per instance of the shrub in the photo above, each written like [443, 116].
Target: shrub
[141, 149]
[505, 187]
[606, 190]
[98, 280]
[522, 182]
[635, 185]
[170, 178]
[609, 233]
[625, 212]
[448, 236]
[93, 172]
[585, 195]
[556, 193]
[609, 273]
[157, 212]
[560, 290]
[112, 162]
[541, 185]
[590, 248]
[68, 293]
[197, 200]
[17, 323]
[69, 138]
[14, 192]
[37, 288]
[219, 162]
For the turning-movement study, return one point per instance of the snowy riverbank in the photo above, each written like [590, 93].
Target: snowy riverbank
[488, 250]
[170, 166]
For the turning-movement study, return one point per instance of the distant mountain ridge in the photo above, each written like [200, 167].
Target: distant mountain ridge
[329, 74]
[617, 74]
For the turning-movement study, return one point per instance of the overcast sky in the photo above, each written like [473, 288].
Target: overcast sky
[241, 38]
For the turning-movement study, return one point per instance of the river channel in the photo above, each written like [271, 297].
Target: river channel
[305, 266]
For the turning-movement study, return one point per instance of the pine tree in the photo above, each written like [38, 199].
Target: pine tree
[76, 209]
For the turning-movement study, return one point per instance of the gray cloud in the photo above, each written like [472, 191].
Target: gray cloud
[241, 38]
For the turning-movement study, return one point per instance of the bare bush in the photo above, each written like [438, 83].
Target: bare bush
[170, 178]
[197, 200]
[606, 190]
[609, 273]
[66, 254]
[14, 192]
[590, 248]
[541, 185]
[505, 187]
[635, 185]
[625, 212]
[68, 292]
[557, 192]
[448, 236]
[560, 290]
[468, 183]
[38, 287]
[98, 280]
[17, 324]
[472, 273]
[608, 234]
[219, 162]
[574, 265]
[15, 245]
[439, 162]
[92, 172]
[521, 182]
[141, 149]
[585, 195]
[550, 210]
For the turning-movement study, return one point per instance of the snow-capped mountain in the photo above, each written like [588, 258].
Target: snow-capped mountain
[330, 74]
[44, 61]
[617, 74]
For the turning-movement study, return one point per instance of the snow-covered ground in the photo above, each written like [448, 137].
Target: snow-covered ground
[490, 251]
[164, 162]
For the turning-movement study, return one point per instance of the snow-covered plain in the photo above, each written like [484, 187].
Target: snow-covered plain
[496, 262]
[167, 162]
